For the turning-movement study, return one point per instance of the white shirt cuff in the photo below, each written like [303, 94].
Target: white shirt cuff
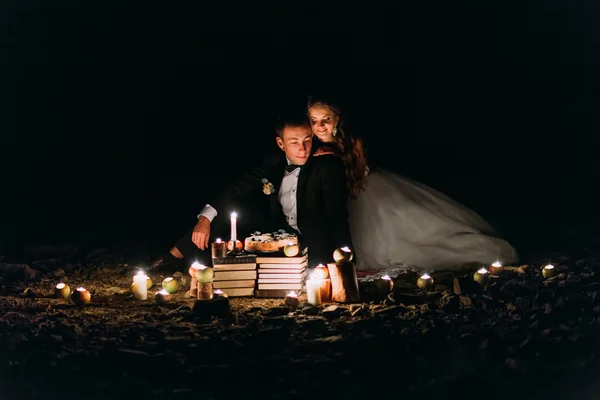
[209, 212]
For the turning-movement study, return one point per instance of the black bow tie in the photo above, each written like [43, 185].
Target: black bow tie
[292, 167]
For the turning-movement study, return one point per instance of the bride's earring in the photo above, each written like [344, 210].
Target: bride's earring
[334, 131]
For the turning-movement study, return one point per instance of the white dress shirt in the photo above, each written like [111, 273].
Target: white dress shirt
[286, 197]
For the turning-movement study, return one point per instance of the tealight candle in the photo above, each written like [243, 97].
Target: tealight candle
[140, 288]
[62, 290]
[162, 297]
[219, 249]
[313, 290]
[291, 249]
[170, 284]
[219, 293]
[81, 296]
[482, 277]
[385, 284]
[496, 268]
[425, 282]
[292, 300]
[343, 255]
[549, 271]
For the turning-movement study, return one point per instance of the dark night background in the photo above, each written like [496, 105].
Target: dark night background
[117, 117]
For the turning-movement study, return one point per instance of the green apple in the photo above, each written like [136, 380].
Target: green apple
[171, 285]
[205, 274]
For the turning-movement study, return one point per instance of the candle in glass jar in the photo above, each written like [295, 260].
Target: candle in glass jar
[140, 288]
[219, 249]
[313, 290]
[233, 226]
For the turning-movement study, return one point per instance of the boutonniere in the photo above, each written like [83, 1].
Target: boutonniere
[268, 187]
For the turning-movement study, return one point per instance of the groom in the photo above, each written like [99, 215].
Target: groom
[302, 194]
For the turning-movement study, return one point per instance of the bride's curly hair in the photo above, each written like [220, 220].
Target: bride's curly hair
[350, 149]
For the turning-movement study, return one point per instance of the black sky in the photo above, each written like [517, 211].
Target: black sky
[117, 117]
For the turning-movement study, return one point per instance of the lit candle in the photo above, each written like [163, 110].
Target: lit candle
[233, 226]
[219, 293]
[313, 290]
[425, 282]
[219, 249]
[343, 255]
[291, 249]
[62, 290]
[170, 284]
[140, 288]
[385, 284]
[81, 296]
[496, 268]
[549, 271]
[482, 277]
[292, 301]
[162, 297]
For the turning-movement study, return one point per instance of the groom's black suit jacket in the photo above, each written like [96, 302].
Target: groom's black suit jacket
[321, 201]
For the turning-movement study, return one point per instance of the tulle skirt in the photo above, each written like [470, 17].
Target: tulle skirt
[397, 221]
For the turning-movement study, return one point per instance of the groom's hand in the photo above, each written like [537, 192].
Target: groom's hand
[201, 233]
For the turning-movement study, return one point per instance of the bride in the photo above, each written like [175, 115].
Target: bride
[396, 221]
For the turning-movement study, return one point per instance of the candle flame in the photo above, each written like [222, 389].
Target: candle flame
[81, 289]
[291, 244]
[386, 277]
[497, 264]
[163, 292]
[482, 271]
[292, 294]
[218, 291]
[549, 266]
[425, 276]
[141, 273]
[60, 286]
[320, 266]
[234, 215]
[169, 279]
[197, 265]
[218, 240]
[346, 249]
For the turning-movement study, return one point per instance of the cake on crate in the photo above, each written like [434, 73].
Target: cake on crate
[235, 274]
[269, 242]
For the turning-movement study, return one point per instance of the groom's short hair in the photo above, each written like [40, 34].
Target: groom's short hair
[292, 119]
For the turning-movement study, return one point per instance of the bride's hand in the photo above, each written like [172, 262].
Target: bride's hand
[323, 151]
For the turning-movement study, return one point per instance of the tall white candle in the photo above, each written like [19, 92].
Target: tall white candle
[140, 288]
[313, 290]
[234, 226]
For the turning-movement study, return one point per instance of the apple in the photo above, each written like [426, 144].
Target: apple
[81, 296]
[549, 271]
[291, 250]
[149, 283]
[170, 284]
[162, 297]
[425, 282]
[385, 284]
[343, 255]
[205, 274]
[482, 277]
[238, 245]
[62, 291]
[321, 272]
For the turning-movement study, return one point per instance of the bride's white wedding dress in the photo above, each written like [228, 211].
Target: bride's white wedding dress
[400, 222]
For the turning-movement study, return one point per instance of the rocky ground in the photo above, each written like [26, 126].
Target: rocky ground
[522, 336]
